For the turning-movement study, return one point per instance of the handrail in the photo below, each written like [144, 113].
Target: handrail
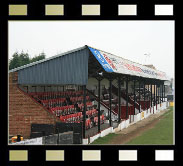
[101, 101]
[131, 101]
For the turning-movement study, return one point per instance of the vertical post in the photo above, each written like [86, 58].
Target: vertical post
[110, 101]
[119, 99]
[57, 131]
[144, 95]
[99, 105]
[139, 95]
[151, 94]
[127, 97]
[134, 99]
[160, 92]
[156, 95]
[84, 112]
[164, 92]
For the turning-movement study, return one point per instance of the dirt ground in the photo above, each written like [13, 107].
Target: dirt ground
[137, 129]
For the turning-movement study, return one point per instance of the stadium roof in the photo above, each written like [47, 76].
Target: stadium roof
[72, 68]
[116, 64]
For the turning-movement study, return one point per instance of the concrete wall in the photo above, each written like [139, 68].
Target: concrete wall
[64, 138]
[126, 123]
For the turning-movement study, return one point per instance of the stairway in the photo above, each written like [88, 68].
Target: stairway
[114, 114]
[123, 95]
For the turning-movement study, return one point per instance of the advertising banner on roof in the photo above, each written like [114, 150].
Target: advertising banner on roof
[113, 63]
[107, 67]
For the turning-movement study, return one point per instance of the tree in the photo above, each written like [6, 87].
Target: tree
[39, 57]
[23, 59]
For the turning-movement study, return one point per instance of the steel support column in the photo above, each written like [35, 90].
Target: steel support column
[160, 93]
[139, 95]
[99, 106]
[119, 99]
[84, 112]
[151, 94]
[110, 101]
[134, 99]
[164, 92]
[156, 95]
[144, 95]
[127, 97]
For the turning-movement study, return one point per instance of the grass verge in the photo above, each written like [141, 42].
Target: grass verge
[104, 140]
[160, 134]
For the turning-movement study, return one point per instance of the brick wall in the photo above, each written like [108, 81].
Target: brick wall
[23, 110]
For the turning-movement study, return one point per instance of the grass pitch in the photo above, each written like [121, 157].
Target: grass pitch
[160, 134]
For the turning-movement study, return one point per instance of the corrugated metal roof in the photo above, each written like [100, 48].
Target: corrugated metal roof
[47, 59]
[60, 70]
[57, 70]
[112, 63]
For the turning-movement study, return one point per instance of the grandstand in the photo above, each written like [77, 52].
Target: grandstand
[84, 86]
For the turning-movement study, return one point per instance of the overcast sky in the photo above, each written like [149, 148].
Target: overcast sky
[129, 39]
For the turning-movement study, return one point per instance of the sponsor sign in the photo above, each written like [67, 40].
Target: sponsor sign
[107, 67]
[113, 63]
[35, 141]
